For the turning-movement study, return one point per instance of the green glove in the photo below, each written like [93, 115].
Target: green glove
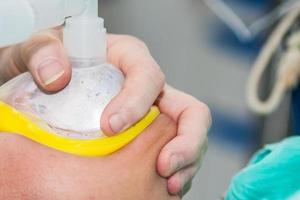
[272, 174]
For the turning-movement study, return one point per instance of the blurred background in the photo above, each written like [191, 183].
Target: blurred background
[202, 56]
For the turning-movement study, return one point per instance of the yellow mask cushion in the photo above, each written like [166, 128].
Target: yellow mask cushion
[13, 121]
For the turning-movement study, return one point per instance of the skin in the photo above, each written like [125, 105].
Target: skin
[44, 56]
[30, 171]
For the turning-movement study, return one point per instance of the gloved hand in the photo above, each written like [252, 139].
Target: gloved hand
[272, 174]
[44, 56]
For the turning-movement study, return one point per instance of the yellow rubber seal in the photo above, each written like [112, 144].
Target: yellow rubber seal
[12, 121]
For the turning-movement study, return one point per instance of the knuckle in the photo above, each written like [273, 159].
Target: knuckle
[160, 76]
[42, 38]
[157, 76]
[38, 41]
[138, 42]
[134, 40]
[204, 109]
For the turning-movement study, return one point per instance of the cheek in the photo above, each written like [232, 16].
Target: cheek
[31, 171]
[20, 170]
[36, 172]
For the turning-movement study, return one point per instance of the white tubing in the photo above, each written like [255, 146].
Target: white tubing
[282, 83]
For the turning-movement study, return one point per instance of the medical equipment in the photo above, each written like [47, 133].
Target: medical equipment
[288, 72]
[13, 121]
[70, 119]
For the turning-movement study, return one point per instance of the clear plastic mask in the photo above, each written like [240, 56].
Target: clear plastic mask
[76, 110]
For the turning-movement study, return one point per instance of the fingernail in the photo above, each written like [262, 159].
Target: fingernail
[175, 164]
[50, 70]
[117, 123]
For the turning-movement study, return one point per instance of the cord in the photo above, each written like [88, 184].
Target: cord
[289, 66]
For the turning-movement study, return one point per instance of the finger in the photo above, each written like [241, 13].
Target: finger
[144, 81]
[194, 121]
[180, 183]
[44, 56]
[179, 154]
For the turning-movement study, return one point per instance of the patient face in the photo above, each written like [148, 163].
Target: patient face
[30, 171]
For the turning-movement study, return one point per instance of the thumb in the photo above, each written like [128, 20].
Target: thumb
[45, 58]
